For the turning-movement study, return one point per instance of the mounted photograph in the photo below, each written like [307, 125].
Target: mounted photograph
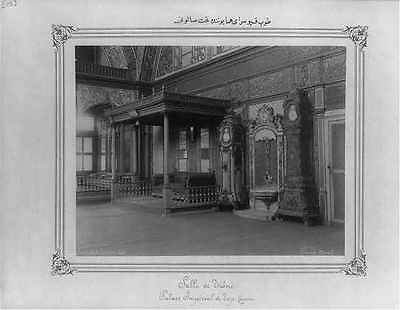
[207, 155]
[206, 150]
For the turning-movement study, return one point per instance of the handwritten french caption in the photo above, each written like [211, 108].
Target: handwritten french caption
[192, 291]
[224, 20]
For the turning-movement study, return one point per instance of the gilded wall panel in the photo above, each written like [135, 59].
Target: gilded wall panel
[149, 56]
[335, 96]
[120, 97]
[270, 84]
[165, 64]
[89, 96]
[217, 93]
[113, 56]
[130, 55]
[277, 106]
[239, 91]
[139, 58]
[311, 96]
[282, 55]
[315, 69]
[335, 68]
[302, 75]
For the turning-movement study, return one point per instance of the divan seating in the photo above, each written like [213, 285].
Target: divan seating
[186, 179]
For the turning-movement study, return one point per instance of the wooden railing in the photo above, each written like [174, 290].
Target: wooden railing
[125, 188]
[92, 183]
[127, 178]
[99, 70]
[195, 196]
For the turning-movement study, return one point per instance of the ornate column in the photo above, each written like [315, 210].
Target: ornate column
[319, 152]
[146, 151]
[121, 148]
[134, 149]
[139, 149]
[166, 186]
[112, 160]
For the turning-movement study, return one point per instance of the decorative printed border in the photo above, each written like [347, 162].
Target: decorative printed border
[59, 265]
[357, 267]
[358, 34]
[61, 33]
[7, 3]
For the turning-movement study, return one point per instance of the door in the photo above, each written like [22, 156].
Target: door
[336, 170]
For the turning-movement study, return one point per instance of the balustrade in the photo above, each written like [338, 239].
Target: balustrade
[93, 183]
[99, 70]
[193, 196]
[129, 187]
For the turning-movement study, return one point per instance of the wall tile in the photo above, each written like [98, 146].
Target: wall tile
[302, 75]
[217, 93]
[165, 64]
[335, 68]
[270, 84]
[239, 91]
[335, 96]
[315, 69]
[89, 95]
[277, 105]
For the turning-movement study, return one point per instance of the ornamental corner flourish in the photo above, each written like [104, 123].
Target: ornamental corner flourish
[7, 3]
[358, 34]
[59, 265]
[61, 33]
[357, 266]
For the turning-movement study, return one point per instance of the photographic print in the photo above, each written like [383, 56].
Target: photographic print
[210, 156]
[210, 150]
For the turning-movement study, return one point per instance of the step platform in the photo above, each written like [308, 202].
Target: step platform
[261, 212]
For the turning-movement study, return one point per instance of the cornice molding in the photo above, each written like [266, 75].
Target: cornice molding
[102, 81]
[207, 68]
[61, 33]
[7, 3]
[223, 58]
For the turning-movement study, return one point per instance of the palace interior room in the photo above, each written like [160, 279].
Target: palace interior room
[210, 150]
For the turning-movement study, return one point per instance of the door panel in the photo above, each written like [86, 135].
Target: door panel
[338, 196]
[338, 136]
[337, 169]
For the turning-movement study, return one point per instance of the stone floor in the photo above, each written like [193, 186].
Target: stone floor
[139, 229]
